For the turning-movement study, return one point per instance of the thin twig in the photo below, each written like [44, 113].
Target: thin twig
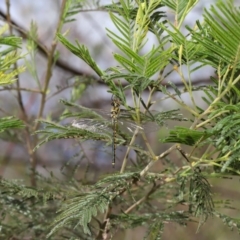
[164, 154]
[124, 163]
[20, 89]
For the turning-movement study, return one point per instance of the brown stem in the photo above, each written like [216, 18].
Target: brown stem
[24, 116]
[50, 65]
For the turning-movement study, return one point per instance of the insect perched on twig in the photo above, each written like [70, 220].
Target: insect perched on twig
[115, 110]
[120, 122]
[104, 126]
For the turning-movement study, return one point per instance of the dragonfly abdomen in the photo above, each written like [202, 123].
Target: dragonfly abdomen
[114, 115]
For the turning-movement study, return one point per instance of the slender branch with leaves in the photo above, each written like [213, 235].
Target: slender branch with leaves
[151, 186]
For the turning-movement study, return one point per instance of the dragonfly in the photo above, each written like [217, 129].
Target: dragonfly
[104, 125]
[120, 120]
[115, 110]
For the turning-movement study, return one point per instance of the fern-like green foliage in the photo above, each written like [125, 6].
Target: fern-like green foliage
[200, 198]
[226, 136]
[8, 57]
[72, 7]
[22, 206]
[218, 35]
[10, 123]
[82, 52]
[230, 222]
[186, 136]
[132, 27]
[180, 9]
[56, 131]
[79, 211]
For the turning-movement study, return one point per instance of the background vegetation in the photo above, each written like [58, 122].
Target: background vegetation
[165, 187]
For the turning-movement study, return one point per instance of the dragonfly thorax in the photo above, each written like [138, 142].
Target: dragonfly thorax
[115, 110]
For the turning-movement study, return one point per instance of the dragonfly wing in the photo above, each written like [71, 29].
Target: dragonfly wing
[129, 126]
[92, 125]
[104, 127]
[125, 122]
